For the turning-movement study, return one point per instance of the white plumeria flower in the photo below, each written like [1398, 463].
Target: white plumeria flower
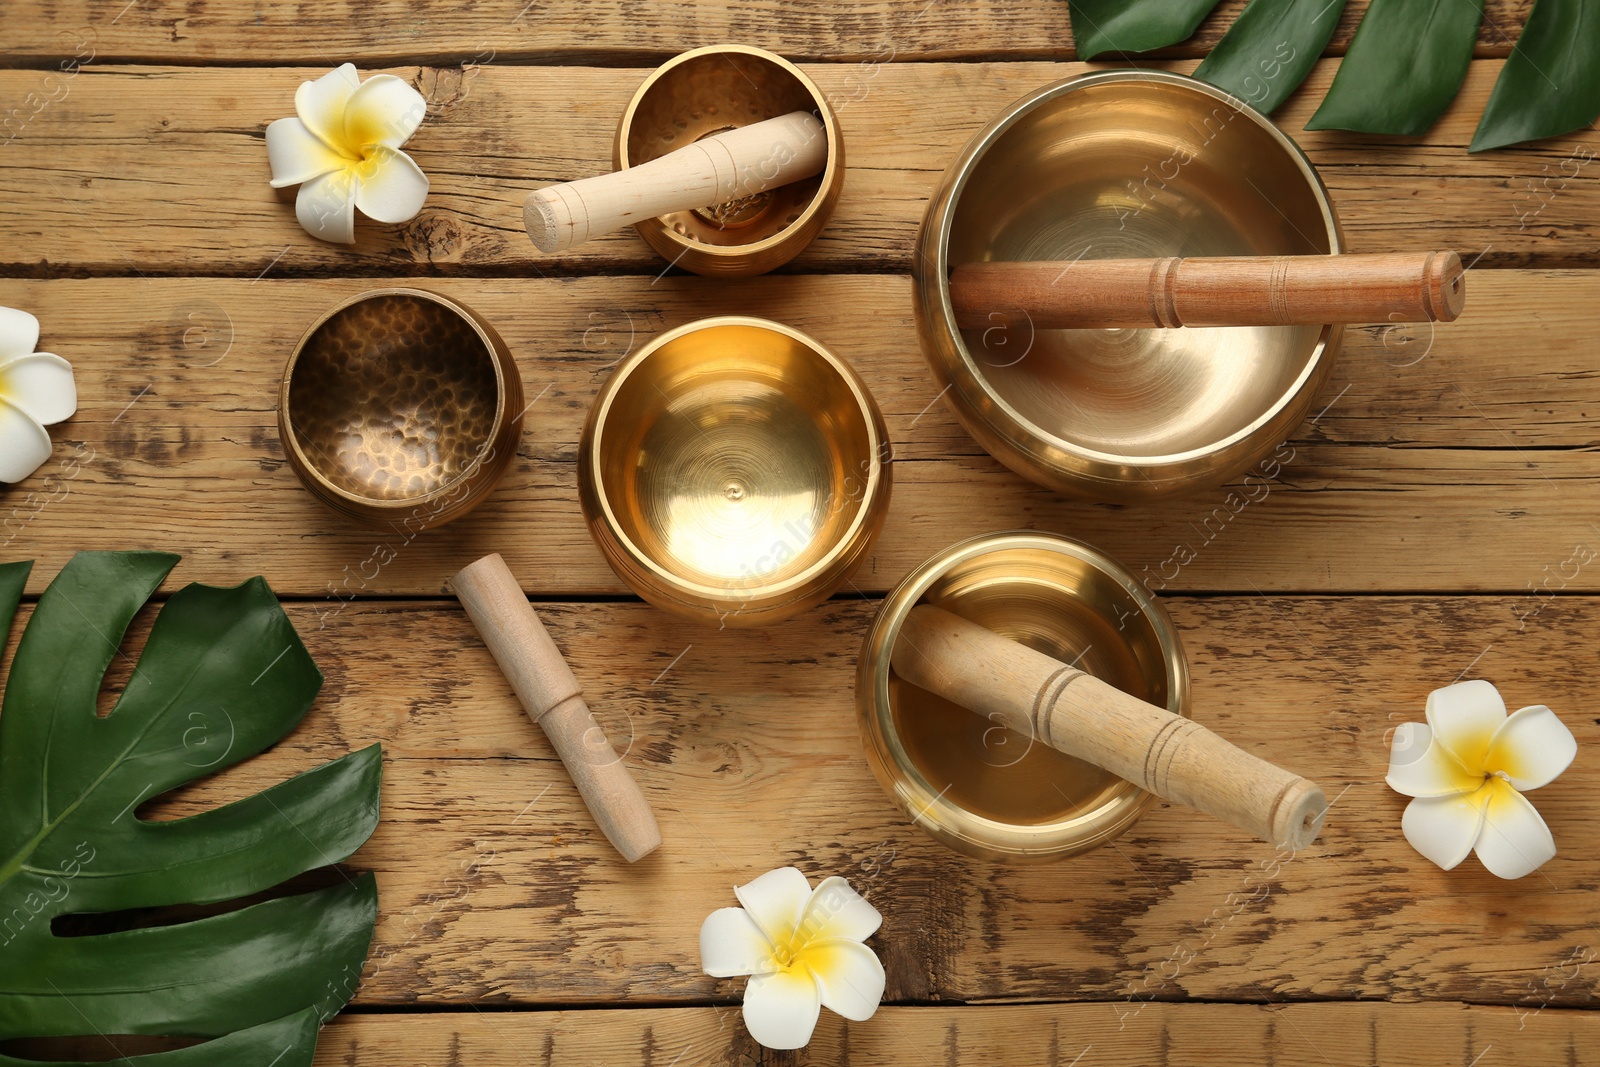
[1468, 768]
[36, 390]
[344, 146]
[803, 950]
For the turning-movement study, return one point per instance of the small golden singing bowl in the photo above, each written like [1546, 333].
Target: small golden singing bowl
[973, 784]
[711, 90]
[734, 471]
[400, 408]
[1125, 164]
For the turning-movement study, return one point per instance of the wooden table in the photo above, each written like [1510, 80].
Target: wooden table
[1438, 520]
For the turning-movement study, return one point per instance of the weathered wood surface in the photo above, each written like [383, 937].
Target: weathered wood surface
[136, 221]
[77, 197]
[461, 31]
[496, 888]
[175, 444]
[1050, 1035]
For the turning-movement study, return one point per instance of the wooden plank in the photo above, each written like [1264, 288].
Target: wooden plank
[176, 446]
[1179, 1035]
[496, 888]
[163, 171]
[456, 31]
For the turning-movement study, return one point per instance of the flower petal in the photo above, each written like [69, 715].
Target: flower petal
[24, 446]
[732, 944]
[385, 110]
[1463, 717]
[19, 332]
[776, 901]
[1444, 829]
[1531, 748]
[326, 207]
[390, 186]
[321, 104]
[1515, 841]
[297, 155]
[837, 910]
[781, 1009]
[1421, 767]
[41, 385]
[848, 975]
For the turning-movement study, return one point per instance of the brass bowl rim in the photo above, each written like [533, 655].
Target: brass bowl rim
[961, 170]
[291, 435]
[876, 711]
[865, 409]
[830, 126]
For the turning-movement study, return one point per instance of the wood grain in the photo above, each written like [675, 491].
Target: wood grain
[1171, 1035]
[496, 888]
[456, 31]
[163, 171]
[1037, 696]
[175, 444]
[1391, 287]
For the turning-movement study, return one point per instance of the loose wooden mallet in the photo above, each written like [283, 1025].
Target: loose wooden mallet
[1243, 291]
[1076, 713]
[553, 699]
[705, 173]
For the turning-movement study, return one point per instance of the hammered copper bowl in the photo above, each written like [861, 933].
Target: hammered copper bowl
[1125, 164]
[712, 90]
[733, 471]
[400, 408]
[974, 785]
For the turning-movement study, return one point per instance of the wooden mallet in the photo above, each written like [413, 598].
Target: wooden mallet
[705, 173]
[1076, 713]
[1224, 291]
[553, 699]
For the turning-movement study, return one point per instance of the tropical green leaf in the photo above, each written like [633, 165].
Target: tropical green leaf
[1270, 48]
[222, 676]
[1133, 25]
[1551, 83]
[1403, 68]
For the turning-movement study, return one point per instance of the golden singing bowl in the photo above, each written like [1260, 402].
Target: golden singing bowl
[734, 471]
[973, 784]
[1125, 164]
[400, 408]
[712, 90]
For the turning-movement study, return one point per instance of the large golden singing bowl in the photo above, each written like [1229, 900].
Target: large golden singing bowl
[734, 471]
[1125, 164]
[712, 90]
[400, 408]
[973, 784]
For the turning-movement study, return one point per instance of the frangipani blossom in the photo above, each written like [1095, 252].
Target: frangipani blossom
[803, 950]
[1468, 768]
[36, 390]
[344, 146]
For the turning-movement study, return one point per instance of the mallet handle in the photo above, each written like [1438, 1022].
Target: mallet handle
[1243, 291]
[703, 173]
[553, 699]
[1040, 697]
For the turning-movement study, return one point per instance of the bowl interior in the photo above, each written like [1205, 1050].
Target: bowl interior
[1065, 607]
[710, 94]
[734, 457]
[393, 397]
[1127, 169]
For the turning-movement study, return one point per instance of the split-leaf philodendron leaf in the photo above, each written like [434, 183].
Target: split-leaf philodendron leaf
[1551, 83]
[1118, 26]
[222, 676]
[1270, 48]
[1403, 67]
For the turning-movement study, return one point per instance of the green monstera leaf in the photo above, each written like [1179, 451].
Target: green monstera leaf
[1403, 68]
[222, 676]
